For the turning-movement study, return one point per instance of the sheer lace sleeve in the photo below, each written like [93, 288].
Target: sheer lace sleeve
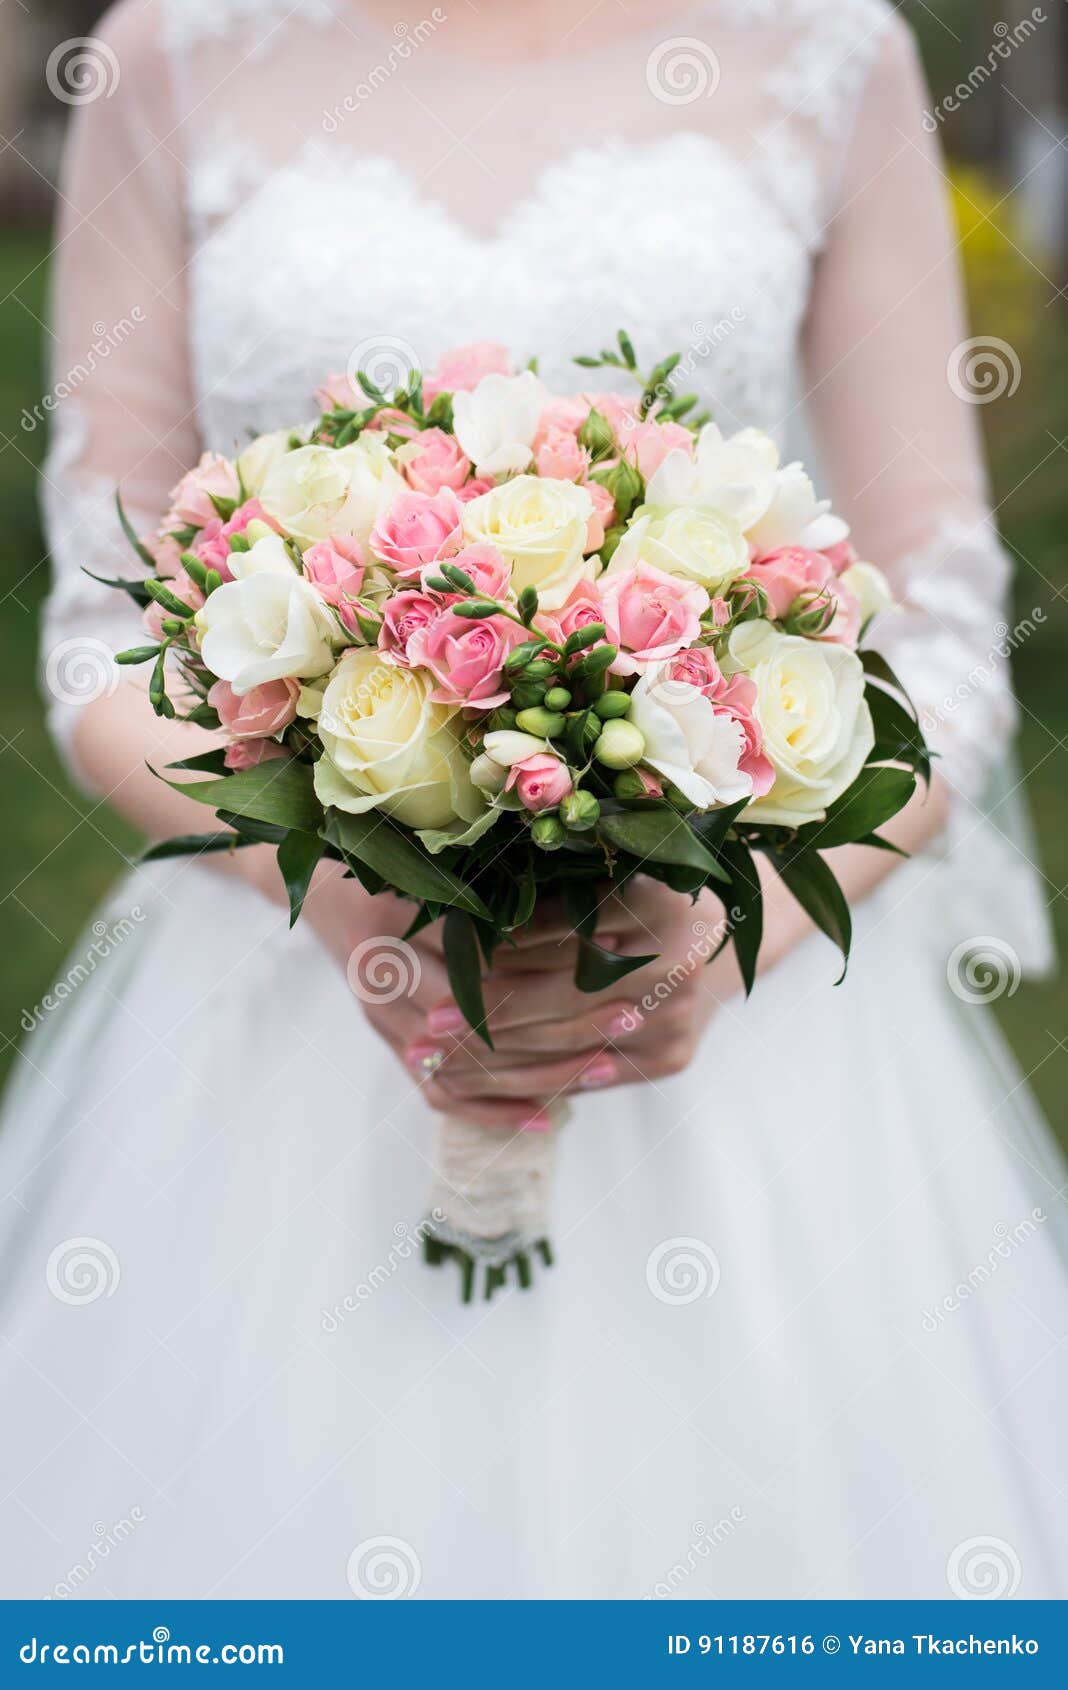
[887, 368]
[123, 411]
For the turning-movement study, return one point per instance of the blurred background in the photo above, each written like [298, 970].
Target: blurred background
[998, 71]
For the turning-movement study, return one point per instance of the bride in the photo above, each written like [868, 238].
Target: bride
[804, 1334]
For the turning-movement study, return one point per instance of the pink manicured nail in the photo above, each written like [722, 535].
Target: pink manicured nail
[626, 1022]
[599, 1073]
[446, 1019]
[423, 1060]
[537, 1123]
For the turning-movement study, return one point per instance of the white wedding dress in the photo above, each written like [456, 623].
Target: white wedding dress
[805, 1334]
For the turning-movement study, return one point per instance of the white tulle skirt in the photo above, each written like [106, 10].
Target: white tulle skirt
[804, 1337]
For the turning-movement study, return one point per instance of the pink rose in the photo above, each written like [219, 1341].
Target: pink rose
[182, 586]
[698, 668]
[737, 698]
[418, 529]
[403, 616]
[474, 489]
[335, 569]
[652, 615]
[462, 369]
[604, 515]
[561, 416]
[560, 456]
[647, 444]
[438, 463]
[841, 557]
[491, 573]
[542, 781]
[619, 412]
[653, 788]
[165, 553]
[246, 753]
[191, 501]
[337, 393]
[213, 544]
[584, 607]
[392, 421]
[465, 658]
[796, 572]
[258, 713]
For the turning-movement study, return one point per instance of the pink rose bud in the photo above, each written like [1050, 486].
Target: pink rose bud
[191, 501]
[246, 753]
[434, 460]
[255, 714]
[542, 781]
[652, 615]
[463, 368]
[335, 569]
[418, 529]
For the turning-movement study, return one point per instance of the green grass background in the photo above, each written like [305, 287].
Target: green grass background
[59, 851]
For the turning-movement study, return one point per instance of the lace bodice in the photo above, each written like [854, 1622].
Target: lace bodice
[271, 189]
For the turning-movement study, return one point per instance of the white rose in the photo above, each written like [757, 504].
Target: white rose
[734, 476]
[496, 422]
[698, 545]
[388, 746]
[795, 517]
[260, 457]
[870, 588]
[539, 525]
[316, 491]
[815, 719]
[688, 742]
[268, 624]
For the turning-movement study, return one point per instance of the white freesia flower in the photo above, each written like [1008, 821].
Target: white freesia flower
[317, 491]
[538, 524]
[870, 588]
[496, 422]
[795, 517]
[388, 746]
[697, 545]
[688, 742]
[734, 476]
[260, 457]
[268, 624]
[506, 746]
[815, 719]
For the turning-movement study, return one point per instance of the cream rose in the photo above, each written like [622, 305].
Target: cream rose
[259, 458]
[387, 746]
[870, 588]
[697, 545]
[540, 526]
[689, 742]
[816, 723]
[268, 624]
[315, 492]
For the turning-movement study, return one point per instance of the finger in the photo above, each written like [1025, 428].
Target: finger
[505, 1114]
[591, 1071]
[602, 1024]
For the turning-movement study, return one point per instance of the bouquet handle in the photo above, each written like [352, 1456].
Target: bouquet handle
[490, 1204]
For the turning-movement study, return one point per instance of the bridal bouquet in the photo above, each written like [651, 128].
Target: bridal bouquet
[485, 643]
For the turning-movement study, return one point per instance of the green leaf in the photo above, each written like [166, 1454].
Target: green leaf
[298, 857]
[875, 797]
[168, 601]
[662, 836]
[745, 909]
[138, 544]
[463, 960]
[135, 589]
[399, 861]
[207, 763]
[875, 664]
[193, 845]
[817, 891]
[713, 826]
[898, 735]
[596, 969]
[279, 791]
[437, 839]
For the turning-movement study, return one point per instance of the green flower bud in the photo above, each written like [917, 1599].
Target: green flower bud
[557, 698]
[629, 785]
[620, 746]
[540, 669]
[678, 800]
[537, 720]
[526, 694]
[580, 811]
[548, 833]
[612, 704]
